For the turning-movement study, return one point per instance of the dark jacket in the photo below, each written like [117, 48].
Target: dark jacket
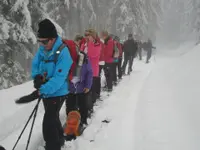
[130, 47]
[148, 46]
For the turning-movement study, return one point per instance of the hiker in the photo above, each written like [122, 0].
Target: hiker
[130, 50]
[109, 59]
[148, 48]
[92, 48]
[50, 79]
[119, 63]
[139, 49]
[80, 84]
[101, 66]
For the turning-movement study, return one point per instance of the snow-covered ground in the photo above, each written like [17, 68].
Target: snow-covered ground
[155, 108]
[167, 114]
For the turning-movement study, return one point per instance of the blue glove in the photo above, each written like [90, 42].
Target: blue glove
[115, 60]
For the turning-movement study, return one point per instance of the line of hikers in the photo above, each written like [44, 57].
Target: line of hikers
[70, 71]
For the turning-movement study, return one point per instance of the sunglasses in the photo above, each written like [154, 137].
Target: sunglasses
[44, 42]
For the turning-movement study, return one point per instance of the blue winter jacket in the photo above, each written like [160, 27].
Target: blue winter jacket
[57, 74]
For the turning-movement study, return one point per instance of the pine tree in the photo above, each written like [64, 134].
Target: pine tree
[19, 24]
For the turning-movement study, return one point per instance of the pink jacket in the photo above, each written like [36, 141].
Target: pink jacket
[93, 51]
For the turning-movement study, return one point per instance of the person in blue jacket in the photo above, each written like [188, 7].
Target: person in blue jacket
[50, 78]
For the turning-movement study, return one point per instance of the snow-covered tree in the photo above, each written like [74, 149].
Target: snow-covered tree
[19, 22]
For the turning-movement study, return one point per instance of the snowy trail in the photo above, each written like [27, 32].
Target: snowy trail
[167, 115]
[118, 108]
[155, 108]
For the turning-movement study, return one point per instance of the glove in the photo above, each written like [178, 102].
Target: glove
[86, 90]
[115, 60]
[28, 98]
[101, 63]
[38, 81]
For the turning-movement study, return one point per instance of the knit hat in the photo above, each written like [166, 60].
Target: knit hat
[2, 148]
[130, 35]
[47, 29]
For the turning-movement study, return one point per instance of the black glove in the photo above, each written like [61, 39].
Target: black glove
[38, 81]
[28, 98]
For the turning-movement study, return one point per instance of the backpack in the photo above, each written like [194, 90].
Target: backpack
[72, 124]
[116, 52]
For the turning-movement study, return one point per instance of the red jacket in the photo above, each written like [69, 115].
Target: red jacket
[83, 41]
[108, 49]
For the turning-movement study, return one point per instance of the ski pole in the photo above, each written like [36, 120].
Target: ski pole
[26, 124]
[34, 117]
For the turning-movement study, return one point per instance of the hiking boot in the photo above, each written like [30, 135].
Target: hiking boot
[110, 90]
[62, 141]
[70, 137]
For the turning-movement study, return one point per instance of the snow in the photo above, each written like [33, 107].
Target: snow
[155, 108]
[167, 113]
[67, 2]
[5, 27]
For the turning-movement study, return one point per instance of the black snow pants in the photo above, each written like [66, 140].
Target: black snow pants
[140, 53]
[109, 75]
[149, 52]
[52, 127]
[114, 71]
[119, 69]
[127, 59]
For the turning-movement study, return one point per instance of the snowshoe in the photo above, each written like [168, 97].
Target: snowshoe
[90, 112]
[70, 137]
[82, 128]
[73, 136]
[115, 83]
[119, 78]
[62, 141]
[104, 88]
[99, 98]
[109, 90]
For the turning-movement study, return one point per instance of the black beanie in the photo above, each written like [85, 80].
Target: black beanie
[2, 148]
[47, 29]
